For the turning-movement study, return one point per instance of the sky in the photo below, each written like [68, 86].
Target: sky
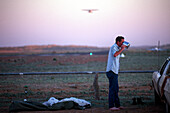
[64, 22]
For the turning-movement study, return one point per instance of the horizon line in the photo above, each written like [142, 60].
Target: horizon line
[74, 45]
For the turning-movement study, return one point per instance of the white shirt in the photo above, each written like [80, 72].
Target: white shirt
[113, 62]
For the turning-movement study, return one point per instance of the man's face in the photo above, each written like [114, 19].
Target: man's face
[120, 43]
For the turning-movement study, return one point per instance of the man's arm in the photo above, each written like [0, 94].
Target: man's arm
[118, 52]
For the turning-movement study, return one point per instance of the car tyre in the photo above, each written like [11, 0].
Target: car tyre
[157, 98]
[167, 107]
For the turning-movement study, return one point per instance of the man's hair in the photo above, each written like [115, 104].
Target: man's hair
[119, 38]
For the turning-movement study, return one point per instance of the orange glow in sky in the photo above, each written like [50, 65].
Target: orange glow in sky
[62, 22]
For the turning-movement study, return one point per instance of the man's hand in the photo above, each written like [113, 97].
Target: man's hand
[118, 52]
[123, 47]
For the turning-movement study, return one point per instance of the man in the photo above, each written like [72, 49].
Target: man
[112, 73]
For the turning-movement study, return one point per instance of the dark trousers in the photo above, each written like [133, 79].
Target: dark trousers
[113, 89]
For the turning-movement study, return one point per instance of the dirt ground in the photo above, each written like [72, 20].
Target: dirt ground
[28, 63]
[150, 109]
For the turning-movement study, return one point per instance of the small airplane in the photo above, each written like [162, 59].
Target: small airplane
[90, 10]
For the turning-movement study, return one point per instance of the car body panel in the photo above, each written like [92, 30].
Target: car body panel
[161, 81]
[167, 91]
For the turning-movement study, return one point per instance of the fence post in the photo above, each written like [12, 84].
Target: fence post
[96, 87]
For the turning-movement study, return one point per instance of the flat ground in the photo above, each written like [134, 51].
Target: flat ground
[150, 109]
[41, 87]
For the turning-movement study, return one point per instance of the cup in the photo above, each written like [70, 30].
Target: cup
[127, 44]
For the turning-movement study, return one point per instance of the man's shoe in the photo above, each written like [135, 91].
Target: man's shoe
[114, 109]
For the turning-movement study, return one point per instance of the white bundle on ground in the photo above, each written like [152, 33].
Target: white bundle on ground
[51, 101]
[80, 102]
